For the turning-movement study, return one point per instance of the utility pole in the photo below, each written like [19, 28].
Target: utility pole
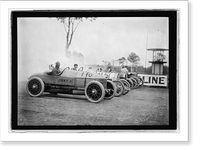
[146, 55]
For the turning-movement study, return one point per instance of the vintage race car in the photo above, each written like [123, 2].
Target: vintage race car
[138, 80]
[95, 87]
[123, 86]
[134, 80]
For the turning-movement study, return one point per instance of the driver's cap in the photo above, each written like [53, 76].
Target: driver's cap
[58, 63]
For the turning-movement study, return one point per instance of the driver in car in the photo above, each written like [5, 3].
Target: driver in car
[109, 68]
[56, 70]
[75, 67]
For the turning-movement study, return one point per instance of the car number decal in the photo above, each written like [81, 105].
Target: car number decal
[90, 74]
[104, 74]
[65, 81]
[86, 74]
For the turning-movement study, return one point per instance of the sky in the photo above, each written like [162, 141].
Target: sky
[41, 41]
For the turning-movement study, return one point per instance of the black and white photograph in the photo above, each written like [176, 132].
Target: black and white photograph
[94, 70]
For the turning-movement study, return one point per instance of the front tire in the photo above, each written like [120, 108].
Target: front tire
[35, 87]
[131, 83]
[137, 80]
[141, 81]
[126, 86]
[94, 91]
[111, 90]
[134, 83]
[120, 88]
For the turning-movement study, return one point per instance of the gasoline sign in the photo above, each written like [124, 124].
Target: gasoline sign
[154, 80]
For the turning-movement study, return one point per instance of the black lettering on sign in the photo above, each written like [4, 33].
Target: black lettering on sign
[149, 80]
[161, 80]
[145, 80]
[154, 80]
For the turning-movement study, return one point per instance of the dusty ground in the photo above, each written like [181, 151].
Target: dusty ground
[142, 106]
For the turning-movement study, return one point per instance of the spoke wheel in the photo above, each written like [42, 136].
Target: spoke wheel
[35, 87]
[137, 80]
[126, 86]
[94, 91]
[141, 81]
[111, 90]
[120, 88]
[131, 83]
[134, 83]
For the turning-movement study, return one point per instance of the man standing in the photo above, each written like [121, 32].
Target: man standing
[124, 70]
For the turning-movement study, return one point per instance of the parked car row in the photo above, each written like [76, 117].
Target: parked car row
[95, 86]
[124, 82]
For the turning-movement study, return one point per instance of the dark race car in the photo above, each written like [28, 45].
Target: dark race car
[134, 76]
[95, 87]
[123, 86]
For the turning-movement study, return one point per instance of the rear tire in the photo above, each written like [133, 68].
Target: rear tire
[94, 91]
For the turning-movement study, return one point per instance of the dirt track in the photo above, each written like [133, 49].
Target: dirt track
[142, 106]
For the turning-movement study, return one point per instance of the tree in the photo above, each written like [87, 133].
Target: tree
[122, 60]
[133, 58]
[70, 25]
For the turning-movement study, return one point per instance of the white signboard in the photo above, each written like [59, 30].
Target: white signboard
[154, 80]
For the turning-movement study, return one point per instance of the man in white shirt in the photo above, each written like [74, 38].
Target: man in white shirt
[124, 70]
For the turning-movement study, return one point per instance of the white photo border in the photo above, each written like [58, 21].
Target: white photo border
[181, 135]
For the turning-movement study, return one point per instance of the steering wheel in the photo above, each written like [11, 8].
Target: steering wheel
[64, 70]
[80, 69]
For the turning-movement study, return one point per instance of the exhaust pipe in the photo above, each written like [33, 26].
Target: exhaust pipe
[78, 92]
[64, 91]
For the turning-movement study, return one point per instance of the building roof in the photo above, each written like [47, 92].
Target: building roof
[157, 49]
[157, 62]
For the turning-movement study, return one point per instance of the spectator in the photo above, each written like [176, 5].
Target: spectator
[124, 70]
[109, 68]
